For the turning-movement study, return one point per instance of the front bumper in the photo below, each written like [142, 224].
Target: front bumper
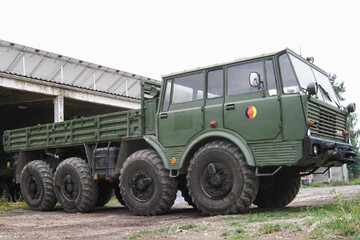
[326, 153]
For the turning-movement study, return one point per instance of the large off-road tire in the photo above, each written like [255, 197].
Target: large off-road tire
[145, 185]
[106, 191]
[75, 188]
[37, 186]
[4, 191]
[220, 181]
[278, 190]
[182, 186]
[118, 194]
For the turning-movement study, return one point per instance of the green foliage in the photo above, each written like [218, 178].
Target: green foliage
[338, 87]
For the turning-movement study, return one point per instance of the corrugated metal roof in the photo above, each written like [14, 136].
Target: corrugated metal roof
[34, 63]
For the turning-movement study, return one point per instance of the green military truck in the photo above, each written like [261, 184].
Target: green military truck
[227, 136]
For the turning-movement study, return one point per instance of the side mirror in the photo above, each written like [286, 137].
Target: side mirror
[351, 107]
[312, 88]
[254, 80]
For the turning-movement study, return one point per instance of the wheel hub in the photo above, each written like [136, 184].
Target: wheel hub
[33, 188]
[141, 185]
[69, 188]
[217, 180]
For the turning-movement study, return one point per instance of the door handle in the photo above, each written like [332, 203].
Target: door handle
[230, 107]
[163, 115]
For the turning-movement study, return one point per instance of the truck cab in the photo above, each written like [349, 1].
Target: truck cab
[279, 109]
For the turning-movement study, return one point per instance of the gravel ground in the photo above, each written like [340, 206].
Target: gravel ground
[116, 222]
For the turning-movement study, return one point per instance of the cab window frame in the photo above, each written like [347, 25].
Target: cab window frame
[170, 81]
[255, 89]
[208, 71]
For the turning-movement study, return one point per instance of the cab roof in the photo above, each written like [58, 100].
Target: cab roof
[245, 59]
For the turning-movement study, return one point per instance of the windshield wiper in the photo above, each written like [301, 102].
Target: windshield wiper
[328, 95]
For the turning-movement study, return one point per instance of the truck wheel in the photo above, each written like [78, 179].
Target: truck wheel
[106, 192]
[37, 186]
[145, 184]
[220, 181]
[118, 194]
[74, 186]
[4, 191]
[182, 186]
[278, 190]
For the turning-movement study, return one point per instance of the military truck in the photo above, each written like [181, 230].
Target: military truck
[227, 136]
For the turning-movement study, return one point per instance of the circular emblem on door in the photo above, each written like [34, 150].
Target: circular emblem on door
[251, 112]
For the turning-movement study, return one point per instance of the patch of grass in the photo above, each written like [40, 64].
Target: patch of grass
[265, 216]
[270, 228]
[237, 234]
[234, 224]
[161, 230]
[277, 227]
[6, 205]
[291, 227]
[343, 220]
[258, 218]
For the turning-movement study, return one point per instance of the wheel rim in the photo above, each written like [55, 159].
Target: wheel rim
[69, 188]
[33, 188]
[141, 185]
[216, 180]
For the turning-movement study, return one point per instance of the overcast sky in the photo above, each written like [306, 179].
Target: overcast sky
[154, 37]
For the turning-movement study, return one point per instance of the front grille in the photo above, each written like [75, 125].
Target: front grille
[329, 124]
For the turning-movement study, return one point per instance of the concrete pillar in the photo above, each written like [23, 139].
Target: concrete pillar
[59, 109]
[345, 173]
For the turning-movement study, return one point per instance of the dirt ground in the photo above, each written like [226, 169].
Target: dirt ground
[116, 222]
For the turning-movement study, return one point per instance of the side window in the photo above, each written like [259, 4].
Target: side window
[215, 83]
[166, 102]
[238, 77]
[188, 88]
[290, 85]
[270, 77]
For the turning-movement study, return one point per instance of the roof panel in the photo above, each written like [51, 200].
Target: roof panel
[65, 70]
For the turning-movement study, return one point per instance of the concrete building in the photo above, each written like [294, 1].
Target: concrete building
[39, 87]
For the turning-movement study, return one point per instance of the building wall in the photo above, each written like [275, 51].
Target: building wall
[335, 174]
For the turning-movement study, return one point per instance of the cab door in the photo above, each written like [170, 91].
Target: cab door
[181, 114]
[252, 112]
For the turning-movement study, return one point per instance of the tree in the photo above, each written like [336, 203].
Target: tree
[354, 169]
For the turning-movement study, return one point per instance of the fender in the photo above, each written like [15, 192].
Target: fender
[152, 141]
[226, 134]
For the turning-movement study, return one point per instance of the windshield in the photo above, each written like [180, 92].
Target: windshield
[306, 74]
